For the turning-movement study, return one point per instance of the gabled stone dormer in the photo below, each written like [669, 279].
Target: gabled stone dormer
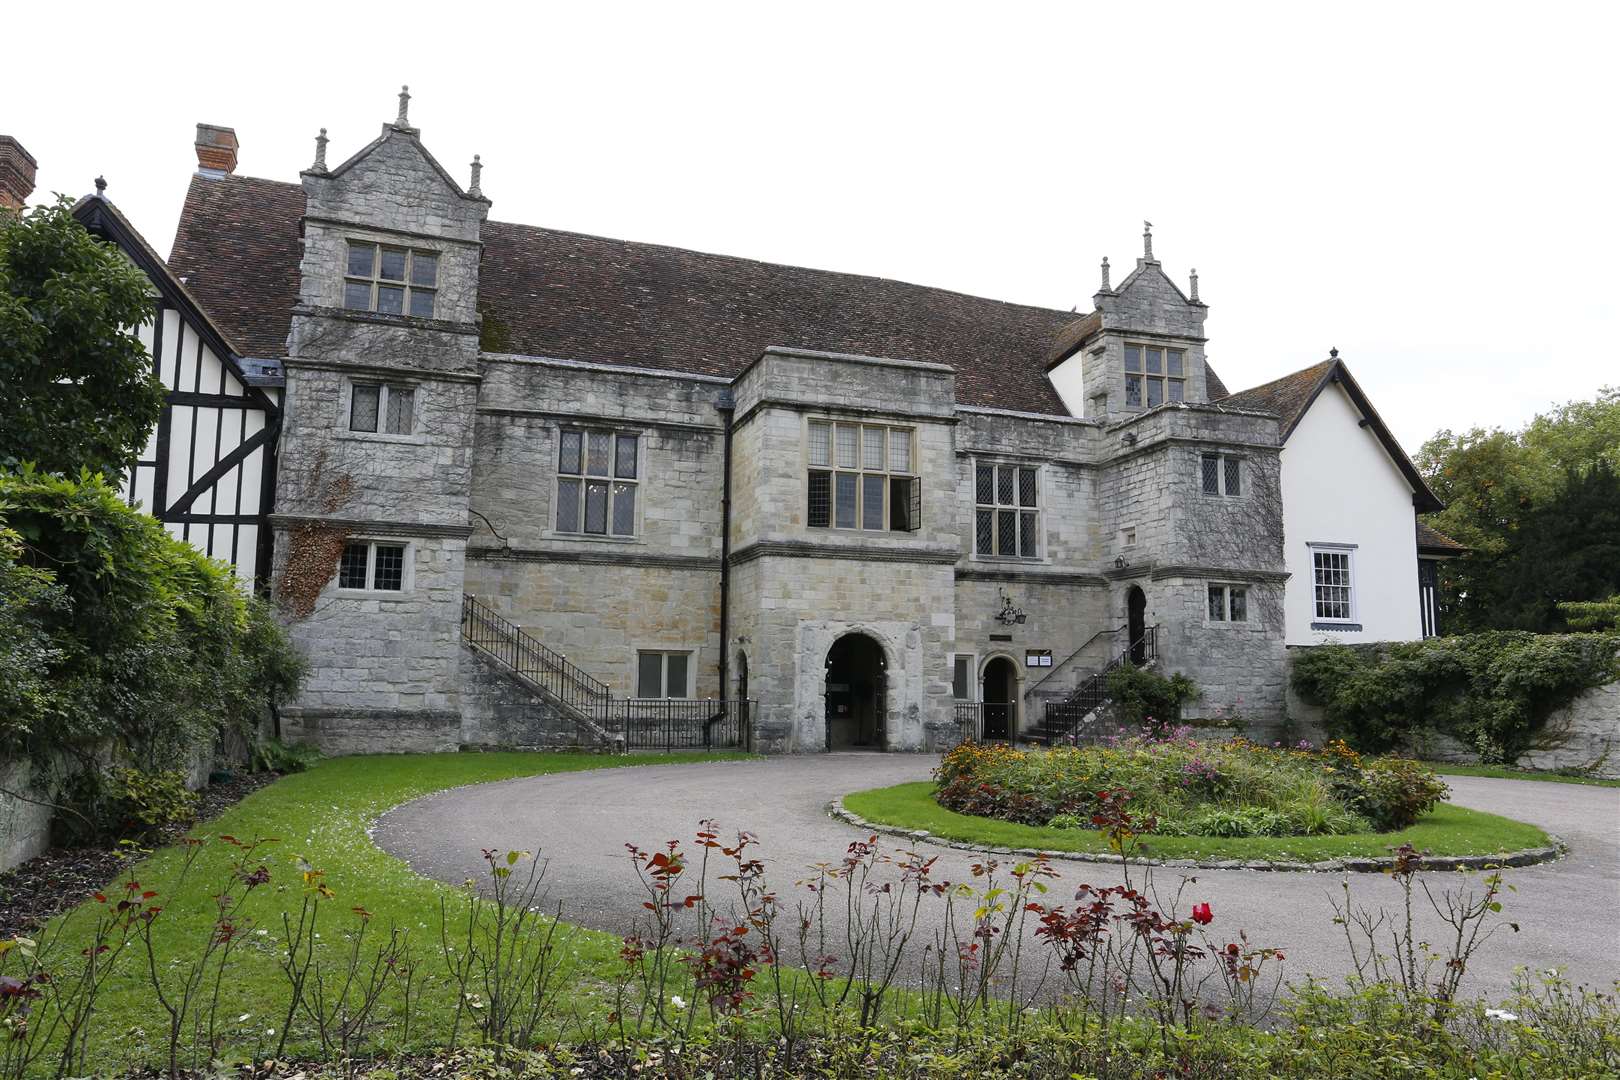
[423, 228]
[1142, 346]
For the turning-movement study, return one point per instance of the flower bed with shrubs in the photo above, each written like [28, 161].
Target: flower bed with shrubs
[1229, 789]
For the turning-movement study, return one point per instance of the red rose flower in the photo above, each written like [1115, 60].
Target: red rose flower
[1202, 915]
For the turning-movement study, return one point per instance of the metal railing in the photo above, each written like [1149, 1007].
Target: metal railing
[1067, 660]
[679, 723]
[632, 723]
[1065, 722]
[510, 644]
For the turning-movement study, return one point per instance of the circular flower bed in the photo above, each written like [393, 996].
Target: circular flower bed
[1190, 788]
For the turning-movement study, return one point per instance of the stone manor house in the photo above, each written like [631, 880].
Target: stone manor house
[508, 482]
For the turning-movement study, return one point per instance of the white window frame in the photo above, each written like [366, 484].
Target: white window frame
[406, 284]
[407, 577]
[1017, 508]
[664, 653]
[1226, 618]
[861, 470]
[1353, 618]
[1226, 460]
[385, 389]
[616, 484]
[1162, 377]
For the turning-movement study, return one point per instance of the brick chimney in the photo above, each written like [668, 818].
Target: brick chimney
[216, 150]
[17, 168]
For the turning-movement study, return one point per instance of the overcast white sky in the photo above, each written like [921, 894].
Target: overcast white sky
[1429, 187]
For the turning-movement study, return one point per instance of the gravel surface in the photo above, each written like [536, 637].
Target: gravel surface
[580, 823]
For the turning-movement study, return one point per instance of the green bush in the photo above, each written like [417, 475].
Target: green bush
[273, 755]
[1144, 696]
[131, 647]
[1493, 691]
[1394, 792]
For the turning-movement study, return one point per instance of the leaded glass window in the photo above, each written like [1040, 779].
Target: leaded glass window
[598, 472]
[861, 476]
[1007, 512]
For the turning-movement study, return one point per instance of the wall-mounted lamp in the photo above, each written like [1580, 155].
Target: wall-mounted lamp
[1129, 438]
[1119, 562]
[1009, 614]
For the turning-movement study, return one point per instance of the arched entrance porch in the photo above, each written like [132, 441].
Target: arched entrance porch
[856, 693]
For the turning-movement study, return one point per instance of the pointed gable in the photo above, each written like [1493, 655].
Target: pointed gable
[1290, 397]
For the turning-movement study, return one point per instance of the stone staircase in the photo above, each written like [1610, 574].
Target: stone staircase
[570, 706]
[1074, 717]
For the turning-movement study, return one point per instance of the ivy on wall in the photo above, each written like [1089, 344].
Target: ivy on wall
[1493, 690]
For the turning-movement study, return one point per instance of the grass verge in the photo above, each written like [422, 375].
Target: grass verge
[1449, 830]
[321, 816]
[1505, 772]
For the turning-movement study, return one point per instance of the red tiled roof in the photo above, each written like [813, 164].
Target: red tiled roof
[566, 295]
[1287, 397]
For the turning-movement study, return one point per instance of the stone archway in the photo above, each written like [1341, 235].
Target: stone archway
[856, 694]
[1000, 692]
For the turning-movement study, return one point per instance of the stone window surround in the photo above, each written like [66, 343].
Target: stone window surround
[1163, 376]
[408, 286]
[614, 430]
[417, 435]
[860, 470]
[665, 651]
[407, 583]
[1227, 587]
[1040, 555]
[1323, 622]
[1222, 474]
[974, 679]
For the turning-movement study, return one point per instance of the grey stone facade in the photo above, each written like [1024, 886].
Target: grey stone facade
[719, 561]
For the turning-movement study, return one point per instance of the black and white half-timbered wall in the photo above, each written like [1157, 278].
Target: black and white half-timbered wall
[208, 470]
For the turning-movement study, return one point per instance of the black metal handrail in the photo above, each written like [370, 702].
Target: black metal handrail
[1065, 661]
[678, 723]
[509, 643]
[970, 721]
[1063, 718]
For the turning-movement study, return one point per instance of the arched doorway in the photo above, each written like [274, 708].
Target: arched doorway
[1136, 617]
[855, 693]
[742, 676]
[1000, 697]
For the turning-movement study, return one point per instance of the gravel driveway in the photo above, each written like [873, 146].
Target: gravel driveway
[580, 822]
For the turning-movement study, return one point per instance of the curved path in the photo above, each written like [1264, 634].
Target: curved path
[580, 822]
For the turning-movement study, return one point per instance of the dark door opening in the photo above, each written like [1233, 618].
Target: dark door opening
[1000, 689]
[1136, 616]
[855, 694]
[742, 676]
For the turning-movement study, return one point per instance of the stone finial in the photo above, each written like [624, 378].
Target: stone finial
[1194, 276]
[403, 120]
[1147, 240]
[475, 189]
[1106, 287]
[320, 153]
[101, 187]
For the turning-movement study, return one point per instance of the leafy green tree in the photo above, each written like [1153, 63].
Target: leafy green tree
[80, 391]
[1592, 614]
[1536, 508]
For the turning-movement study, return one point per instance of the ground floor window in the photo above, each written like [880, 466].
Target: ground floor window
[1228, 603]
[661, 674]
[1333, 583]
[962, 677]
[372, 566]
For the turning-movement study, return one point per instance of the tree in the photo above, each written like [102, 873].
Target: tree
[1537, 508]
[80, 391]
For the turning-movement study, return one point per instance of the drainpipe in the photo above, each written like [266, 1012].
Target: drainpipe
[726, 411]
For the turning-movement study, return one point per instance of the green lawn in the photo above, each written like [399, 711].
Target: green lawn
[1450, 830]
[1505, 772]
[322, 816]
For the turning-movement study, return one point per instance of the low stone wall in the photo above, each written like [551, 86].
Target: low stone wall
[1583, 736]
[25, 824]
